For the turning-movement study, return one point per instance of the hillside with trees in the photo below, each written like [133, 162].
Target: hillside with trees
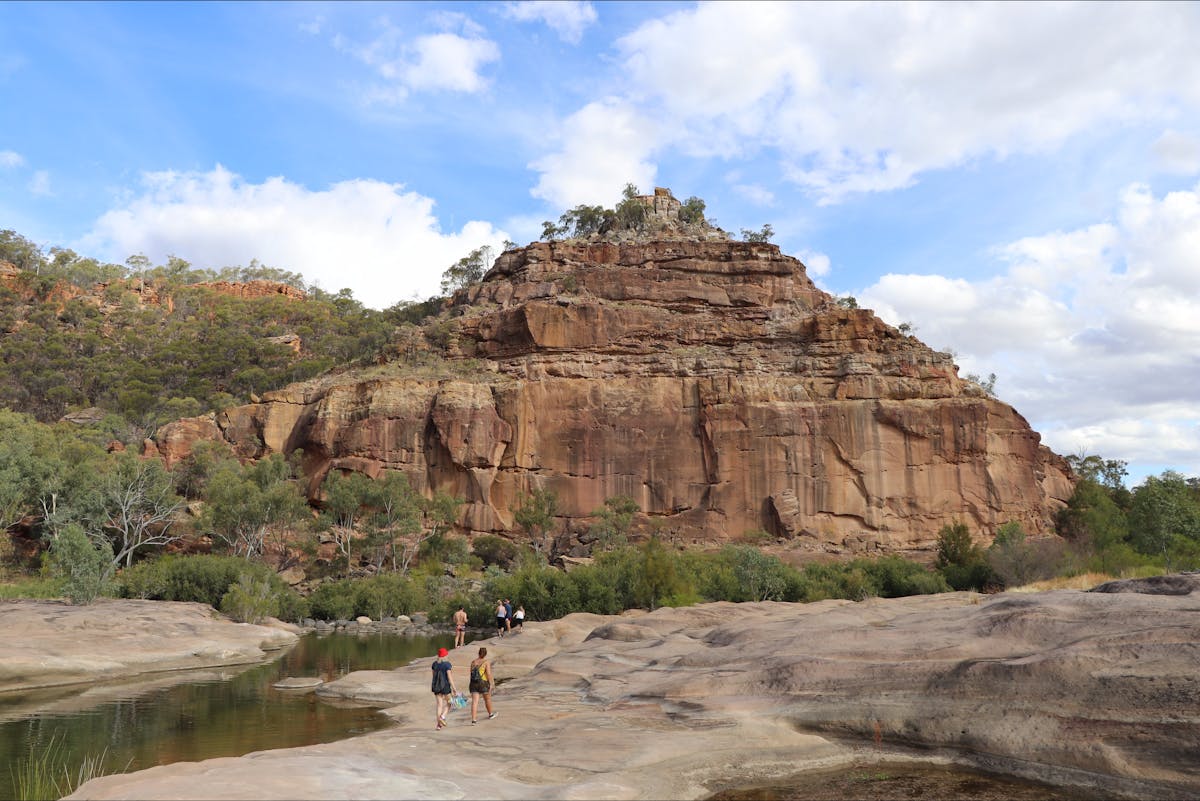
[97, 356]
[142, 344]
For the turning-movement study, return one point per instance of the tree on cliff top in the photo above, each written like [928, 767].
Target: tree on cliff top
[467, 270]
[630, 214]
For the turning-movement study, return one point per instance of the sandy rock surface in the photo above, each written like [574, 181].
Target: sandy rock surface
[49, 643]
[1092, 690]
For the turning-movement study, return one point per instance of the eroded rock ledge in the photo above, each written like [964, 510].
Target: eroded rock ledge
[1095, 690]
[49, 643]
[711, 381]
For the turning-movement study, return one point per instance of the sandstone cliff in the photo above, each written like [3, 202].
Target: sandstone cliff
[708, 379]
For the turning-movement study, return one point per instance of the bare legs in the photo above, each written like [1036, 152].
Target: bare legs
[443, 706]
[487, 702]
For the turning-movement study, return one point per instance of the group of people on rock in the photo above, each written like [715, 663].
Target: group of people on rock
[482, 681]
[507, 619]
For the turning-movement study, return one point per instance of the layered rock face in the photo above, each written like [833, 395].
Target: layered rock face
[709, 380]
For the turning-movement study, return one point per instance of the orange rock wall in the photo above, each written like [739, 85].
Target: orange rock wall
[710, 381]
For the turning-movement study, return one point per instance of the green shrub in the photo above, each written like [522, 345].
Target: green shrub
[960, 560]
[595, 593]
[334, 600]
[493, 550]
[250, 600]
[386, 595]
[755, 575]
[896, 577]
[208, 579]
[202, 578]
[86, 569]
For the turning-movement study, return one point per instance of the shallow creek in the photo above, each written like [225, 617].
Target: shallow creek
[187, 716]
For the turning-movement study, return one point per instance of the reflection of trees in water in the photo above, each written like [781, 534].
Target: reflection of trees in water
[188, 722]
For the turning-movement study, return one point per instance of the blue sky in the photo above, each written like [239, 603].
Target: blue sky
[1020, 182]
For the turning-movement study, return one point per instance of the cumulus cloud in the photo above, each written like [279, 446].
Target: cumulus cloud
[11, 158]
[567, 19]
[866, 97]
[816, 263]
[372, 237]
[604, 146]
[1094, 333]
[451, 60]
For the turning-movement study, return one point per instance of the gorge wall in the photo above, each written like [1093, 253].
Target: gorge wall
[708, 379]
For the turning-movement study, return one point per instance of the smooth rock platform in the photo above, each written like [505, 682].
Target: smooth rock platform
[51, 643]
[1091, 690]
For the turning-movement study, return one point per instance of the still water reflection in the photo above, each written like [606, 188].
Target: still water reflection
[193, 715]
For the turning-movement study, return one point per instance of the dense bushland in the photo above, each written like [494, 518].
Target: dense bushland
[70, 344]
[1105, 528]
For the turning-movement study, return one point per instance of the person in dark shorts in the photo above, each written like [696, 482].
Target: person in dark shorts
[482, 684]
[501, 618]
[443, 685]
[519, 617]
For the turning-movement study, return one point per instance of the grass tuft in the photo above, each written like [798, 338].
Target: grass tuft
[47, 774]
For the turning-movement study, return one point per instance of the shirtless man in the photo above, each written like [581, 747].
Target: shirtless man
[460, 626]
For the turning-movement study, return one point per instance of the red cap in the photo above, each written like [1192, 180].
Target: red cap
[442, 652]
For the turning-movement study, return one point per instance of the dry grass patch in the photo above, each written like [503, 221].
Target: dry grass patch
[1083, 581]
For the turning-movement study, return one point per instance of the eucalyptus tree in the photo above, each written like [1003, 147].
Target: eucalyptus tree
[246, 505]
[346, 499]
[398, 514]
[536, 515]
[138, 504]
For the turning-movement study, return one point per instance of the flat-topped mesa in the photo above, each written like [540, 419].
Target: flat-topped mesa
[709, 380]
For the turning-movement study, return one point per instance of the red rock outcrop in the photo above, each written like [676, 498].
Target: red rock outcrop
[710, 380]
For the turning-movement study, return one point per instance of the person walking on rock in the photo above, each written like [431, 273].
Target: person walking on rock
[519, 617]
[443, 685]
[508, 613]
[501, 618]
[482, 684]
[460, 627]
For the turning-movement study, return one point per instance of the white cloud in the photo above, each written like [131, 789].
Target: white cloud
[605, 145]
[567, 19]
[449, 61]
[1178, 152]
[1094, 333]
[383, 243]
[10, 158]
[445, 61]
[815, 262]
[866, 97]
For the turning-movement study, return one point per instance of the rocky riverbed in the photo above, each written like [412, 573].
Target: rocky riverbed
[1095, 691]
